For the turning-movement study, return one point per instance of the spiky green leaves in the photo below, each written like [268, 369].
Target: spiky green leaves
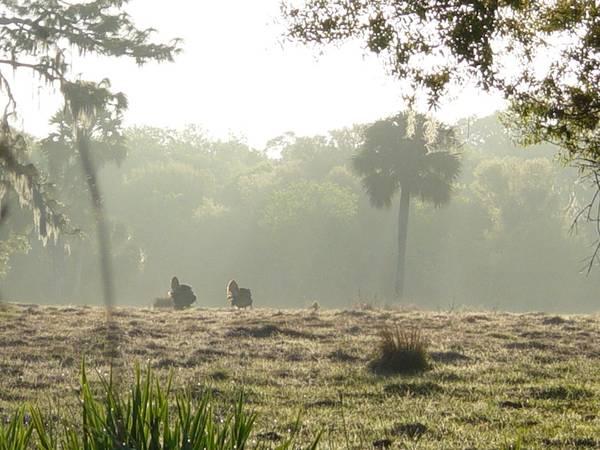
[147, 416]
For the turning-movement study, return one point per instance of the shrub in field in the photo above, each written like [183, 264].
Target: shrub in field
[400, 351]
[146, 417]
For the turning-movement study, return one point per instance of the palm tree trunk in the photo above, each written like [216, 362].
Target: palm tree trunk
[402, 233]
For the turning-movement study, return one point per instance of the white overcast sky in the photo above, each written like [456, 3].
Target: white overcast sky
[235, 77]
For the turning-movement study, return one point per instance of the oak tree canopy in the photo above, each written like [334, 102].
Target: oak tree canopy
[542, 55]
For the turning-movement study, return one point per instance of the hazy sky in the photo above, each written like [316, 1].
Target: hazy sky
[234, 76]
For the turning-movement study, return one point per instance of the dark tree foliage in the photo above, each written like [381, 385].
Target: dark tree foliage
[434, 44]
[543, 56]
[37, 36]
[103, 128]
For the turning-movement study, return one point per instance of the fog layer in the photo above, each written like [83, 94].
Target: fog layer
[291, 222]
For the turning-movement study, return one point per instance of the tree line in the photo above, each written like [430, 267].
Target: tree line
[554, 102]
[294, 222]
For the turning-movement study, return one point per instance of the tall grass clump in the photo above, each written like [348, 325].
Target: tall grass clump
[400, 351]
[144, 417]
[16, 432]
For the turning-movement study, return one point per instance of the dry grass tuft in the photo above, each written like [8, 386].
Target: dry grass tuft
[401, 352]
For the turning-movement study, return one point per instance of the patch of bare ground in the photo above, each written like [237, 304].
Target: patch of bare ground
[491, 373]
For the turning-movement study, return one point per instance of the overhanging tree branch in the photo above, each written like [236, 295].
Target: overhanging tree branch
[33, 36]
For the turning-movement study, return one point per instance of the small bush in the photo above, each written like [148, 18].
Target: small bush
[401, 352]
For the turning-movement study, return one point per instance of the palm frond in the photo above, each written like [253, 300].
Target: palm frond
[380, 188]
[439, 170]
[389, 158]
[365, 163]
[433, 189]
[446, 165]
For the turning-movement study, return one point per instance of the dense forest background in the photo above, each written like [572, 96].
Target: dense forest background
[292, 222]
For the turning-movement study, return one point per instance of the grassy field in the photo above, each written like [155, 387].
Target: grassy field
[498, 380]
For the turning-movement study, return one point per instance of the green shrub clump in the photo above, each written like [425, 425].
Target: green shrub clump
[400, 352]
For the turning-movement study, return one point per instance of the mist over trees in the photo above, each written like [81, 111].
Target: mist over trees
[378, 221]
[293, 222]
[40, 37]
[541, 56]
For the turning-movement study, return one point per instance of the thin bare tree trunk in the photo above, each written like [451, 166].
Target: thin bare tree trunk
[402, 233]
[103, 237]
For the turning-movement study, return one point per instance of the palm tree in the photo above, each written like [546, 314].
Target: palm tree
[417, 164]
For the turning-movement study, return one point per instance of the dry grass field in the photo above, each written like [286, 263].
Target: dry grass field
[498, 380]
